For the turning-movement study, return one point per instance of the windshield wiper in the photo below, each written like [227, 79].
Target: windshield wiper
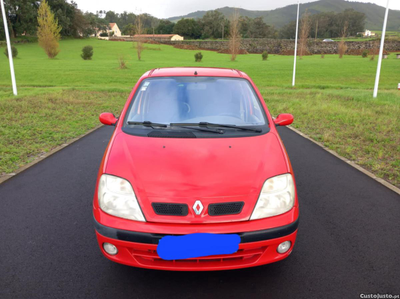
[158, 125]
[197, 129]
[147, 124]
[207, 124]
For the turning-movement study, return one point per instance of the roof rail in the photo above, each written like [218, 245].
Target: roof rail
[239, 72]
[151, 72]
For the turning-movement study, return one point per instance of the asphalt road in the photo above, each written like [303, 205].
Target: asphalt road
[348, 241]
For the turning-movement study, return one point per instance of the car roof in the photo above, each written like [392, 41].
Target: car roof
[195, 71]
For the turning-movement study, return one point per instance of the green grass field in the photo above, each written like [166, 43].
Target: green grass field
[389, 33]
[60, 99]
[34, 69]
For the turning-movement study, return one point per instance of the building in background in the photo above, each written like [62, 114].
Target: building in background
[367, 33]
[114, 28]
[111, 30]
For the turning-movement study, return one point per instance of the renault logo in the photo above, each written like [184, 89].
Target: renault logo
[198, 207]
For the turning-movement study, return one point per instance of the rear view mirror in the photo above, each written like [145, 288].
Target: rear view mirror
[283, 119]
[108, 119]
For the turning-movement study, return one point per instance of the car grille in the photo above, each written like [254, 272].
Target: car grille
[228, 208]
[242, 257]
[170, 209]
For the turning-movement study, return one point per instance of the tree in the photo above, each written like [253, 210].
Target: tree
[304, 33]
[258, 28]
[154, 24]
[165, 27]
[64, 13]
[48, 31]
[234, 39]
[244, 26]
[21, 16]
[94, 24]
[139, 32]
[225, 28]
[355, 21]
[148, 23]
[126, 18]
[288, 31]
[329, 24]
[188, 28]
[255, 28]
[80, 25]
[342, 48]
[212, 23]
[129, 29]
[321, 24]
[112, 17]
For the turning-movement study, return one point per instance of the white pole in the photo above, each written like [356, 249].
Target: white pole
[10, 58]
[295, 46]
[378, 71]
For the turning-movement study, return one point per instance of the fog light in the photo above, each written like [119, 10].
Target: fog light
[284, 247]
[110, 248]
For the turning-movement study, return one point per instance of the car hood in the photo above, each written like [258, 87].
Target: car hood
[212, 170]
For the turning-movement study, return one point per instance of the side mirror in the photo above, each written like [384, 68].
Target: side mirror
[108, 119]
[283, 119]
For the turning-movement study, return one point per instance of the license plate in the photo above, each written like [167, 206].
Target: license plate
[197, 245]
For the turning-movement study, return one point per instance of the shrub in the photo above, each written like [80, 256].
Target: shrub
[14, 52]
[122, 63]
[103, 34]
[87, 53]
[365, 53]
[198, 57]
[342, 48]
[264, 55]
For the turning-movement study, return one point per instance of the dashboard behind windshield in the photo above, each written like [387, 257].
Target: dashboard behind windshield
[222, 100]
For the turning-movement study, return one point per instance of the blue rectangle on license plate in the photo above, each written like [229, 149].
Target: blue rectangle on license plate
[197, 245]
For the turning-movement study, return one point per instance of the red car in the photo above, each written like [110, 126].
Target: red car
[195, 176]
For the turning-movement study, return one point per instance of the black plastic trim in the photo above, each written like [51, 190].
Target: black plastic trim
[215, 206]
[171, 134]
[148, 238]
[272, 233]
[157, 205]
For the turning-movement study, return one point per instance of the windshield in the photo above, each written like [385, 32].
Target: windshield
[167, 100]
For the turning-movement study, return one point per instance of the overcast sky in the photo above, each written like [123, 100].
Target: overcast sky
[172, 8]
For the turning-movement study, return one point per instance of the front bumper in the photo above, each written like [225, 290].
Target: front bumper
[138, 249]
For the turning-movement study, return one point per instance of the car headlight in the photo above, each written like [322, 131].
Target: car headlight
[276, 197]
[116, 197]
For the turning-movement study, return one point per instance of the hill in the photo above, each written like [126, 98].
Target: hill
[281, 16]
